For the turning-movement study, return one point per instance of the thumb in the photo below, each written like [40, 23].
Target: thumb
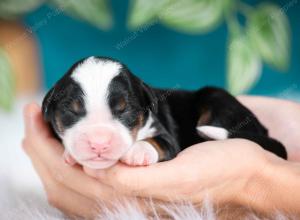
[33, 119]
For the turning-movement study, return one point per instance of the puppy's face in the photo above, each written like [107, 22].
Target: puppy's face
[99, 110]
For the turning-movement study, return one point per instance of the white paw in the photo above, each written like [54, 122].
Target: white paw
[141, 153]
[213, 132]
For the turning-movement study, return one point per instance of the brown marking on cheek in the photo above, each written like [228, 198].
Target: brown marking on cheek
[136, 128]
[205, 117]
[161, 153]
[58, 123]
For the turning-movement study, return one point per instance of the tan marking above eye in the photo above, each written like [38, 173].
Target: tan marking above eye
[75, 105]
[121, 104]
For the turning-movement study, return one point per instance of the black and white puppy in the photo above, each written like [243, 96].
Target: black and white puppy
[103, 113]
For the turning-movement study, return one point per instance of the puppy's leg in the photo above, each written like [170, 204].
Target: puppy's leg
[212, 132]
[266, 142]
[142, 153]
[217, 133]
[151, 150]
[221, 116]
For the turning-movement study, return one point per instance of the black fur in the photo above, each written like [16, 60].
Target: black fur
[56, 104]
[225, 111]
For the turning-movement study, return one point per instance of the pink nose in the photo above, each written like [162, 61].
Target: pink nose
[99, 148]
[100, 141]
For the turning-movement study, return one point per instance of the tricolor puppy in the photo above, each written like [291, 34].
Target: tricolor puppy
[103, 113]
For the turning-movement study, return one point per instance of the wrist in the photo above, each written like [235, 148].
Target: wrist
[274, 187]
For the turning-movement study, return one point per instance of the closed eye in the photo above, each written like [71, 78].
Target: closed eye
[118, 104]
[73, 107]
[76, 107]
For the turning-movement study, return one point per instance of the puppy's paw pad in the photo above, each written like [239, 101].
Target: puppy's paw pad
[141, 154]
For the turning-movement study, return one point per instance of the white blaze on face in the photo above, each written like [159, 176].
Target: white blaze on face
[94, 77]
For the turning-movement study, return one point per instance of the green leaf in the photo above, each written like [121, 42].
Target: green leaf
[10, 9]
[6, 83]
[96, 12]
[193, 16]
[143, 12]
[243, 64]
[269, 31]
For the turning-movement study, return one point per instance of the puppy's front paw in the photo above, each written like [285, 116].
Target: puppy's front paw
[141, 153]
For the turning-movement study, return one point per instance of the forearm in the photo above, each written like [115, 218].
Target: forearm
[281, 117]
[276, 188]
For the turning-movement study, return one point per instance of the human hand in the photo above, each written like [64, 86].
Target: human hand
[68, 188]
[75, 193]
[219, 169]
[281, 117]
[222, 169]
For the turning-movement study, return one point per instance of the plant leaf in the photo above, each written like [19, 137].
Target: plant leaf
[6, 83]
[243, 64]
[193, 16]
[10, 9]
[143, 12]
[96, 12]
[269, 31]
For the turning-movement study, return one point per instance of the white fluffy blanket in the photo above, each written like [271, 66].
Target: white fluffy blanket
[23, 205]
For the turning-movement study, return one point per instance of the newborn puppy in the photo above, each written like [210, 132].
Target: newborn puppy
[103, 113]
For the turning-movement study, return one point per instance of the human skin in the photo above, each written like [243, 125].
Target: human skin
[232, 171]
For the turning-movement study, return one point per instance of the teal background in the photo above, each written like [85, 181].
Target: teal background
[159, 55]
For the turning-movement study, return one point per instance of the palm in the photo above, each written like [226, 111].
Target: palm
[220, 160]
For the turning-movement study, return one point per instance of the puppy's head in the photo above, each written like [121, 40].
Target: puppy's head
[98, 109]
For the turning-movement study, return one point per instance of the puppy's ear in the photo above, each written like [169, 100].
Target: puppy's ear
[48, 104]
[151, 98]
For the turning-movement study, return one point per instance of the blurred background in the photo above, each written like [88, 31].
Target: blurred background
[245, 46]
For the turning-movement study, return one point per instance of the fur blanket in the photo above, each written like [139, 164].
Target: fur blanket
[19, 205]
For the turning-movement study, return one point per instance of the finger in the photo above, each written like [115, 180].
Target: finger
[72, 203]
[39, 167]
[34, 123]
[140, 181]
[60, 196]
[51, 152]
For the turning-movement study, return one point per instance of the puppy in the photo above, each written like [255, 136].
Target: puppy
[103, 113]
